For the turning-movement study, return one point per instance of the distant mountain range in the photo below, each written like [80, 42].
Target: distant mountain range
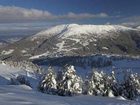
[75, 40]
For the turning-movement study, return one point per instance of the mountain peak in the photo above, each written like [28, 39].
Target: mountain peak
[68, 30]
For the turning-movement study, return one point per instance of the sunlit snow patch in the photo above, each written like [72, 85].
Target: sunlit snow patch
[4, 52]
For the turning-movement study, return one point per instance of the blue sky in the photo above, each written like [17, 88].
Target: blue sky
[114, 7]
[44, 13]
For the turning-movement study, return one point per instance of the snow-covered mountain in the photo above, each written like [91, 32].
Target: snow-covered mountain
[3, 43]
[6, 41]
[77, 30]
[138, 27]
[76, 40]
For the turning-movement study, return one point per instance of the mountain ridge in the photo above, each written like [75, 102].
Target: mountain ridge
[71, 29]
[77, 40]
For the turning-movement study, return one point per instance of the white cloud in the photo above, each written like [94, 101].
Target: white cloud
[19, 14]
[133, 18]
[131, 21]
[72, 15]
[12, 13]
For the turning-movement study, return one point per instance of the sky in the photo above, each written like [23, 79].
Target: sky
[38, 14]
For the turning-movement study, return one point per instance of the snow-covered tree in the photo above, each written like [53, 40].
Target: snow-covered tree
[48, 83]
[67, 83]
[99, 83]
[110, 85]
[94, 84]
[131, 86]
[71, 84]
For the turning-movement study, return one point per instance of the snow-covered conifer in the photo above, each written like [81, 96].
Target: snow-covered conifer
[49, 84]
[71, 84]
[131, 85]
[99, 83]
[95, 83]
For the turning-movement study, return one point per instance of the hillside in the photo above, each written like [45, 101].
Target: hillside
[76, 40]
[3, 43]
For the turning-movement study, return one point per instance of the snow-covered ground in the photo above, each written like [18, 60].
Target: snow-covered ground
[7, 52]
[7, 72]
[24, 95]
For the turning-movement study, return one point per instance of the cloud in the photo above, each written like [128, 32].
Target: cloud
[13, 14]
[131, 21]
[72, 15]
[19, 14]
[133, 18]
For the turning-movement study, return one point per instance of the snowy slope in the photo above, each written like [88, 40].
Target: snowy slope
[80, 33]
[75, 29]
[3, 43]
[23, 95]
[7, 72]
